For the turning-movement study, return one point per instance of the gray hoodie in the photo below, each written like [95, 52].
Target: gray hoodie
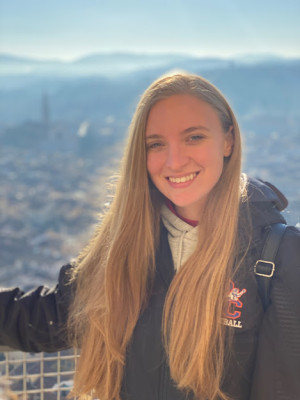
[182, 237]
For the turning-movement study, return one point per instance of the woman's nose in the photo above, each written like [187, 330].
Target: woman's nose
[176, 157]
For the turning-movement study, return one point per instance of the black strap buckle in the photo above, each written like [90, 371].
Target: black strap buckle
[264, 268]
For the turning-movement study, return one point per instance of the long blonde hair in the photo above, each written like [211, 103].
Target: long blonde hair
[115, 272]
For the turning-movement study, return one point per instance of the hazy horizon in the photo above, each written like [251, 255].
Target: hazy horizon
[236, 56]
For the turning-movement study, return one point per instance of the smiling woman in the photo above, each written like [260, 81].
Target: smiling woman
[164, 303]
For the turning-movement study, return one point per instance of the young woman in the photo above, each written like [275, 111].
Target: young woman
[163, 303]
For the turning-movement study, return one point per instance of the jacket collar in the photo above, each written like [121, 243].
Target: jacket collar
[260, 210]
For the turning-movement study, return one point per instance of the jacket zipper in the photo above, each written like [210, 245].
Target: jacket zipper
[163, 394]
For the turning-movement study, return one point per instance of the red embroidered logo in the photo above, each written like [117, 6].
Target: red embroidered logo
[234, 301]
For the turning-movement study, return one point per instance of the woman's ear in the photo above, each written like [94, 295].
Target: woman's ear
[229, 141]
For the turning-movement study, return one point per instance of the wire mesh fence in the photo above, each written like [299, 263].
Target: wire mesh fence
[42, 376]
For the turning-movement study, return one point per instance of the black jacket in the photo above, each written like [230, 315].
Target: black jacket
[265, 364]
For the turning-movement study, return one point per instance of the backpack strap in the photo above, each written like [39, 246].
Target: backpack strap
[265, 267]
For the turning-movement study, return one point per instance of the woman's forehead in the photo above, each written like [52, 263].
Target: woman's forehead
[179, 112]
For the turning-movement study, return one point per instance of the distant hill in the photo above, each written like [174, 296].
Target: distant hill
[103, 64]
[111, 64]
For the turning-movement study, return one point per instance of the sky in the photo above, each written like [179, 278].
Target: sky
[69, 29]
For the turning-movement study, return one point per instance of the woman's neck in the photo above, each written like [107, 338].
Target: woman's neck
[171, 207]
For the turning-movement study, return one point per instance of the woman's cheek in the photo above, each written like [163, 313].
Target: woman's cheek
[154, 163]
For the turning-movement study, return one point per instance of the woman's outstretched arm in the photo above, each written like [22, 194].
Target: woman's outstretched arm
[36, 320]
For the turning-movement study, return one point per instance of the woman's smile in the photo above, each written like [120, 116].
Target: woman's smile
[177, 180]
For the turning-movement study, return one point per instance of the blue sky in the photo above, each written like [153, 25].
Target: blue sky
[67, 29]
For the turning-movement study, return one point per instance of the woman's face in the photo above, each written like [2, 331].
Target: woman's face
[186, 146]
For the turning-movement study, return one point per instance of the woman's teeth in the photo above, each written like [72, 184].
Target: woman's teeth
[183, 179]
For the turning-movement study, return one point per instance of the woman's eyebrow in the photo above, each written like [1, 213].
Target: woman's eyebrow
[153, 136]
[194, 128]
[184, 132]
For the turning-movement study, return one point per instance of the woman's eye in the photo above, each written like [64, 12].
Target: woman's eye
[154, 146]
[195, 138]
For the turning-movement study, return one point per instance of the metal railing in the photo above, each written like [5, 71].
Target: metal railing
[42, 376]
